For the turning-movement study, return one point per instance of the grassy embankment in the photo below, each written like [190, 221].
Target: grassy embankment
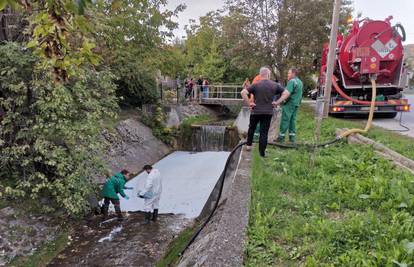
[348, 208]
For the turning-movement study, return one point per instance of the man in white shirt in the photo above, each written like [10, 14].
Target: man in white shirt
[151, 193]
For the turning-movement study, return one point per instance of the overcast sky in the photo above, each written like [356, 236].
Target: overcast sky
[402, 10]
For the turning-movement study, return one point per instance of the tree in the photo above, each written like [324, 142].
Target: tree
[59, 35]
[289, 32]
[131, 34]
[49, 134]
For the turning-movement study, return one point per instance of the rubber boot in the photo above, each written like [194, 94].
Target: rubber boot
[280, 139]
[147, 219]
[119, 213]
[104, 211]
[155, 215]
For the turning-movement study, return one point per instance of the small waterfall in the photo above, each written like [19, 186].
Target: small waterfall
[212, 138]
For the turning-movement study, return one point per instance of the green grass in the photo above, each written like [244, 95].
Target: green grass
[349, 207]
[172, 256]
[198, 120]
[401, 144]
[44, 255]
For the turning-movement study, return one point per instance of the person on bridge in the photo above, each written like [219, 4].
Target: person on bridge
[261, 108]
[292, 99]
[205, 88]
[113, 186]
[151, 193]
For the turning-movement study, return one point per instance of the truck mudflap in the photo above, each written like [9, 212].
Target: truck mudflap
[390, 106]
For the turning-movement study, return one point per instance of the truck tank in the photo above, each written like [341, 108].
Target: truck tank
[370, 47]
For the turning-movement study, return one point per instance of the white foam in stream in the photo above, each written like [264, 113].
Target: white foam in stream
[187, 180]
[111, 234]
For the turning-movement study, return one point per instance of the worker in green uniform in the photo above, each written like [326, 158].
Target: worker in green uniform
[113, 186]
[292, 97]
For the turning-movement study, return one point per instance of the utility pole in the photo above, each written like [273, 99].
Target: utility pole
[322, 108]
[331, 57]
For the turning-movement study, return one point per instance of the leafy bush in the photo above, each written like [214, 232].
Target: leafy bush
[49, 133]
[157, 124]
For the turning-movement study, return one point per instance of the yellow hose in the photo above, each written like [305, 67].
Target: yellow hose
[370, 117]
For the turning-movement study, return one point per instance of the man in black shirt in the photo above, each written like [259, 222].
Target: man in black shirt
[261, 108]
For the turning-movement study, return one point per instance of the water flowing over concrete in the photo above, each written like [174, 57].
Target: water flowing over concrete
[212, 138]
[187, 180]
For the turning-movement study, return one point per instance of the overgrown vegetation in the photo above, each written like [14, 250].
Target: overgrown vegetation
[197, 120]
[157, 123]
[172, 256]
[348, 208]
[57, 90]
[49, 132]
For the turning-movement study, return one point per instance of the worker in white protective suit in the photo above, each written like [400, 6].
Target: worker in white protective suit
[151, 193]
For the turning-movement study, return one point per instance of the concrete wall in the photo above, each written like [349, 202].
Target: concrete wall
[175, 114]
[221, 243]
[130, 146]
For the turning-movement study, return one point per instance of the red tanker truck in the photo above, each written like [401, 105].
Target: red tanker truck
[370, 48]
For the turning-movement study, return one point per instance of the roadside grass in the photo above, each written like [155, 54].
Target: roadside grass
[349, 207]
[306, 125]
[44, 255]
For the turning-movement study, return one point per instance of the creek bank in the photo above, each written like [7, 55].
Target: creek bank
[130, 146]
[130, 244]
[23, 231]
[176, 114]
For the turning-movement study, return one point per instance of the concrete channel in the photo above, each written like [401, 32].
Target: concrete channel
[191, 183]
[188, 178]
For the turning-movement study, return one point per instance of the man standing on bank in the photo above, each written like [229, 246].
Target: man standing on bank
[151, 193]
[261, 109]
[290, 107]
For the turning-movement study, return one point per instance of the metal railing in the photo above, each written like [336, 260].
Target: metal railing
[203, 94]
[217, 91]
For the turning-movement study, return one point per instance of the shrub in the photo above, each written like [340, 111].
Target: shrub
[49, 132]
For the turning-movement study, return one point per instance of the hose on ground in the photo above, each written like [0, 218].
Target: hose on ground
[305, 145]
[370, 116]
[223, 174]
[222, 177]
[346, 133]
[406, 129]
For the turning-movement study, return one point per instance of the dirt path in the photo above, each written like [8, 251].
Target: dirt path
[127, 243]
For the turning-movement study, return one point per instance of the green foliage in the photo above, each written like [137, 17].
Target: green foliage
[130, 35]
[232, 44]
[172, 256]
[197, 120]
[157, 124]
[59, 35]
[49, 136]
[348, 208]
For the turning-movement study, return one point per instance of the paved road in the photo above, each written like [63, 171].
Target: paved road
[392, 124]
[407, 120]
